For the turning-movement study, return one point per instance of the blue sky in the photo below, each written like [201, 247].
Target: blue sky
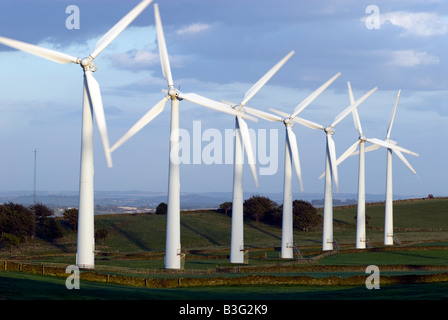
[219, 49]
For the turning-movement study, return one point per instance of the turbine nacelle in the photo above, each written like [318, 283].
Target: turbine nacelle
[238, 107]
[87, 64]
[329, 130]
[174, 93]
[288, 122]
[395, 143]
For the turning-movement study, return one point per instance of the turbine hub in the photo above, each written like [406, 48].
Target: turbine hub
[173, 93]
[392, 142]
[329, 130]
[288, 122]
[238, 107]
[87, 64]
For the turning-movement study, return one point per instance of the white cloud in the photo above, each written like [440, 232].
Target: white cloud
[423, 24]
[193, 28]
[411, 58]
[134, 59]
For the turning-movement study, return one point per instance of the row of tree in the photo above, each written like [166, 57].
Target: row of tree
[21, 224]
[263, 209]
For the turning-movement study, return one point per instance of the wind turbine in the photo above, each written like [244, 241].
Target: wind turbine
[242, 138]
[360, 142]
[85, 257]
[331, 174]
[291, 156]
[173, 245]
[388, 218]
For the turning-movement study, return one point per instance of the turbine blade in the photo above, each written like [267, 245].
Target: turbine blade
[350, 108]
[402, 158]
[283, 114]
[350, 93]
[147, 117]
[349, 152]
[392, 116]
[313, 96]
[119, 27]
[292, 141]
[308, 123]
[248, 147]
[390, 146]
[262, 114]
[260, 83]
[333, 161]
[163, 52]
[367, 149]
[212, 104]
[355, 114]
[94, 92]
[39, 51]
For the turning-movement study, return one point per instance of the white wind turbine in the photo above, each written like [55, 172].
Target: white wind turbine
[242, 138]
[361, 213]
[173, 245]
[392, 147]
[91, 100]
[291, 156]
[331, 174]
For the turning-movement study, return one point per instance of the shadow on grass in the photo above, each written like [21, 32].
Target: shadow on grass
[210, 239]
[18, 286]
[134, 239]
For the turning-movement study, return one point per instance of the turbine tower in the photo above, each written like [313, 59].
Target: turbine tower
[85, 257]
[291, 156]
[388, 217]
[173, 245]
[331, 175]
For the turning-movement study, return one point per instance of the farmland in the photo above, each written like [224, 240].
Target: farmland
[135, 243]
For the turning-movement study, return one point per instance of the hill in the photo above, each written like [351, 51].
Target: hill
[414, 221]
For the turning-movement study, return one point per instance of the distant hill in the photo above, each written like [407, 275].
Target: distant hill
[148, 199]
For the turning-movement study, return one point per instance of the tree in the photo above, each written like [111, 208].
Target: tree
[52, 229]
[305, 215]
[42, 214]
[257, 207]
[17, 220]
[71, 216]
[226, 208]
[162, 208]
[8, 240]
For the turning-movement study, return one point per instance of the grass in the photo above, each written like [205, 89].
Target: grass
[133, 239]
[22, 286]
[405, 257]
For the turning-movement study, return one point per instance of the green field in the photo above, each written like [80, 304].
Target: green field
[138, 241]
